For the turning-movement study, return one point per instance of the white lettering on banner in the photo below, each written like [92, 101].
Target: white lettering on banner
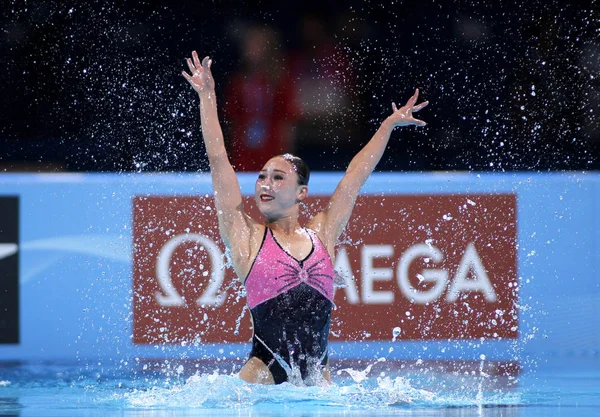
[438, 276]
[460, 284]
[342, 265]
[481, 282]
[370, 274]
[171, 297]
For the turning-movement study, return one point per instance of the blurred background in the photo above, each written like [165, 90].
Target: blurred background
[97, 85]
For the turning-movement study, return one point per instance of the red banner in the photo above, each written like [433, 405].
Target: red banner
[434, 266]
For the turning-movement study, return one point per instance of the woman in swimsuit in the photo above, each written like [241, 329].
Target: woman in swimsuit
[287, 269]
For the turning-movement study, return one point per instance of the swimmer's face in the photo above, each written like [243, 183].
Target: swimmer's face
[277, 190]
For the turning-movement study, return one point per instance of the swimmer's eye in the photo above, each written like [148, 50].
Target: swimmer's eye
[278, 177]
[261, 176]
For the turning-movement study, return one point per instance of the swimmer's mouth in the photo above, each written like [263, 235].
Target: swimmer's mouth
[266, 197]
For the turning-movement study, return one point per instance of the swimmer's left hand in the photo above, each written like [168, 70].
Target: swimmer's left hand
[403, 116]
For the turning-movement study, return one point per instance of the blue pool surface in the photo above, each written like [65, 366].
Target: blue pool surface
[544, 387]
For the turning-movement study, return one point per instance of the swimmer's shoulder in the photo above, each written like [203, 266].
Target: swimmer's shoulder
[249, 232]
[256, 238]
[317, 225]
[244, 249]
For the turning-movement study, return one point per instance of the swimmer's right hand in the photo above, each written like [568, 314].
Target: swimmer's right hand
[201, 78]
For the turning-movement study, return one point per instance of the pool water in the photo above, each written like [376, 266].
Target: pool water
[555, 387]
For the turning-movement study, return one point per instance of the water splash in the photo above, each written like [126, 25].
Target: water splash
[395, 333]
[238, 321]
[228, 391]
[218, 391]
[360, 376]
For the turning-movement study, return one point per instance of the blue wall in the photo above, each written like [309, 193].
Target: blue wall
[76, 269]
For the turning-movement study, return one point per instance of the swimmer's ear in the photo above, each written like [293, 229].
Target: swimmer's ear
[302, 193]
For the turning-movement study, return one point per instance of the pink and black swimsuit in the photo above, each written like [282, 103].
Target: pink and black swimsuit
[290, 301]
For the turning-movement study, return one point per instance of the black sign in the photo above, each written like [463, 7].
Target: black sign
[9, 270]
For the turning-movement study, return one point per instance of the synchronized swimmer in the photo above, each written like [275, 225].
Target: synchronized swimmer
[286, 268]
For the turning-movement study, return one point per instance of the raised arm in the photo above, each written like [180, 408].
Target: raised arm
[228, 197]
[331, 222]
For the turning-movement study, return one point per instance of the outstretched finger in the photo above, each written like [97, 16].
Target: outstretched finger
[420, 106]
[196, 59]
[187, 76]
[411, 101]
[206, 62]
[419, 122]
[394, 108]
[191, 66]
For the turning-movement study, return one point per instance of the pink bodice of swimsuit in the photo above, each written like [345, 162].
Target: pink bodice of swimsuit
[275, 271]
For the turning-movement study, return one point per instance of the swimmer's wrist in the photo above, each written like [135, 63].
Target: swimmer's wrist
[206, 93]
[388, 123]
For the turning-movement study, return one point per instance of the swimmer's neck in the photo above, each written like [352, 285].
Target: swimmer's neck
[284, 225]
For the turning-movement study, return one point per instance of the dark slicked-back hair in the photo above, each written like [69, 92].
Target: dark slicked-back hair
[299, 166]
